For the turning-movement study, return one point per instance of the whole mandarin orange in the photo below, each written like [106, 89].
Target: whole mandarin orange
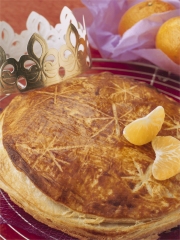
[141, 11]
[168, 39]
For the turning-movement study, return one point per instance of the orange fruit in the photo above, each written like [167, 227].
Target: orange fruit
[141, 11]
[168, 39]
[143, 130]
[167, 161]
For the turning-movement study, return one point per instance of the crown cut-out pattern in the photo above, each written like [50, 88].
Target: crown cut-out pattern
[43, 66]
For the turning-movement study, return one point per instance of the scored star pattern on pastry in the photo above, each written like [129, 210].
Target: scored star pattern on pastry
[142, 178]
[125, 91]
[118, 121]
[45, 149]
[173, 124]
[145, 180]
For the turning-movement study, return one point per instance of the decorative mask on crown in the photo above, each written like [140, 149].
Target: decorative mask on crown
[42, 55]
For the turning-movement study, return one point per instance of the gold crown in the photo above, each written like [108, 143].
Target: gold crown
[51, 66]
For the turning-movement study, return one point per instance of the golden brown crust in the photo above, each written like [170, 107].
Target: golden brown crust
[23, 192]
[68, 140]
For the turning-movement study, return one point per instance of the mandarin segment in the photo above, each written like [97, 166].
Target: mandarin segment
[143, 130]
[167, 161]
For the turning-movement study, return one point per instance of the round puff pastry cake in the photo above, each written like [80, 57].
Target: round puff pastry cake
[65, 161]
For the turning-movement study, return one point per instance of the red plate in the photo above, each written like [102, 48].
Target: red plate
[15, 223]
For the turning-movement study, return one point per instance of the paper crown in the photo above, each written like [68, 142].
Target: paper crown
[42, 55]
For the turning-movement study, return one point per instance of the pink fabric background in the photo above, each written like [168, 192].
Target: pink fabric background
[137, 44]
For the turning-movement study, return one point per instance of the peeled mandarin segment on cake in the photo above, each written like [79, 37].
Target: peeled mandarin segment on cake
[167, 161]
[143, 130]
